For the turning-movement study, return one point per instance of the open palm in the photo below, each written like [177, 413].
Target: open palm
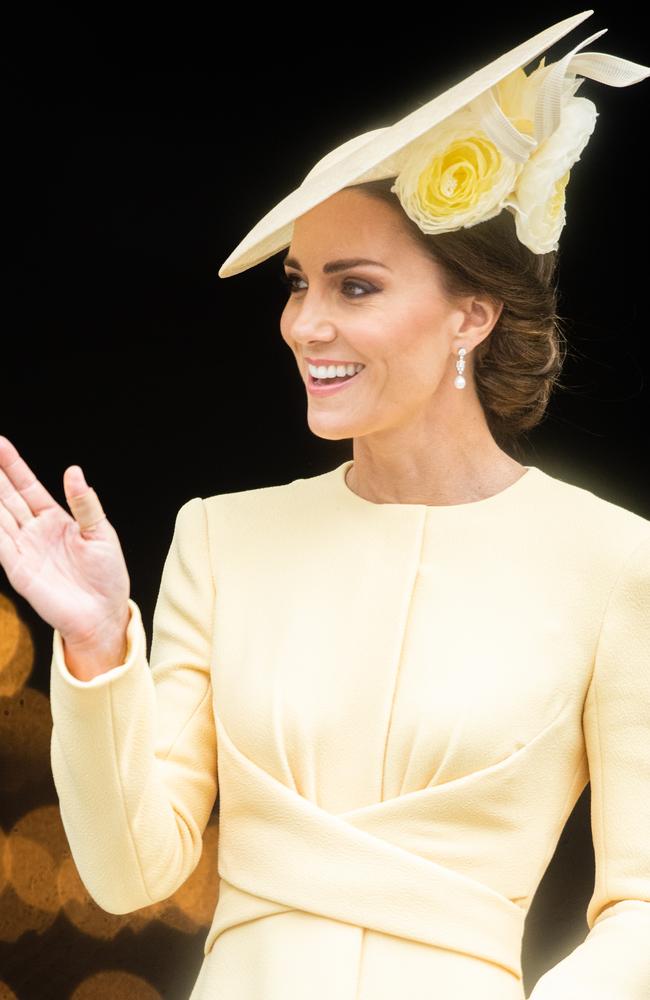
[75, 579]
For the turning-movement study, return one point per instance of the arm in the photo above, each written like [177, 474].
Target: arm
[133, 750]
[613, 962]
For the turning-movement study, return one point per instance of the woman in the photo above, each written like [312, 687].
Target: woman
[398, 676]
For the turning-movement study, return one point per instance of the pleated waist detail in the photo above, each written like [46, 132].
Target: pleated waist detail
[279, 851]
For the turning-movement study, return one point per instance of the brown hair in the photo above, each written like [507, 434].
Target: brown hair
[517, 366]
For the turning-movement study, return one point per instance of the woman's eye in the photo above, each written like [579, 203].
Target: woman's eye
[289, 281]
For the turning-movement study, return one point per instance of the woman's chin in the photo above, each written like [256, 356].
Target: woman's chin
[330, 427]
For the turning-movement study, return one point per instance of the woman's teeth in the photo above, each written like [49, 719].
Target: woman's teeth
[334, 371]
[334, 374]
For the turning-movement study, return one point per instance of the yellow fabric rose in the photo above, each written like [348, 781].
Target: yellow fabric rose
[454, 176]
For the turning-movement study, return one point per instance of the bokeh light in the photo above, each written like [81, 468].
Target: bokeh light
[39, 881]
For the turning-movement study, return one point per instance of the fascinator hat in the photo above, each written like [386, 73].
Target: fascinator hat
[498, 139]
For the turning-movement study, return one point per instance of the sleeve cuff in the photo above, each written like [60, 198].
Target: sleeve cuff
[135, 645]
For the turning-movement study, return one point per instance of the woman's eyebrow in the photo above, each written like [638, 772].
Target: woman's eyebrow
[337, 265]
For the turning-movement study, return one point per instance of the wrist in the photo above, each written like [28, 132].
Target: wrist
[99, 651]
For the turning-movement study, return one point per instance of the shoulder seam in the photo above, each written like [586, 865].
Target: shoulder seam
[209, 554]
[621, 570]
[593, 687]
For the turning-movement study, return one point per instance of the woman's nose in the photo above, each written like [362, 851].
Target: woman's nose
[311, 321]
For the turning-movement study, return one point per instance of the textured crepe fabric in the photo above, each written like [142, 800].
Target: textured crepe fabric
[398, 706]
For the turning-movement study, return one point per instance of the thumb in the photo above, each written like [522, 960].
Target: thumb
[82, 499]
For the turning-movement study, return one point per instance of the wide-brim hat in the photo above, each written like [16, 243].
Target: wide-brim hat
[378, 154]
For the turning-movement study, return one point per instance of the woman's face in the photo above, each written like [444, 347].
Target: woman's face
[390, 316]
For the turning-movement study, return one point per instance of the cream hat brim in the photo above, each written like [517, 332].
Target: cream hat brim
[371, 156]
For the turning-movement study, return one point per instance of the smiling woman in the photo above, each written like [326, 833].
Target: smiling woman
[363, 291]
[397, 676]
[518, 366]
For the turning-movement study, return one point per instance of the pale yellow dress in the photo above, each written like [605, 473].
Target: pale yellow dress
[399, 705]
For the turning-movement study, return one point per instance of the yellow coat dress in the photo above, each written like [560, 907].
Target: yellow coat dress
[398, 705]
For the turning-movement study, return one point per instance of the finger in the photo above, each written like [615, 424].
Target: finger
[86, 510]
[21, 493]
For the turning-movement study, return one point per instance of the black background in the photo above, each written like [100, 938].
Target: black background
[140, 146]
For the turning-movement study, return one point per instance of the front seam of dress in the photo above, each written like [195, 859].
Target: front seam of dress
[407, 614]
[396, 676]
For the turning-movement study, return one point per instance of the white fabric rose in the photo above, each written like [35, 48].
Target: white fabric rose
[538, 201]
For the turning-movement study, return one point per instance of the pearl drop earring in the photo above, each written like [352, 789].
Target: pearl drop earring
[459, 381]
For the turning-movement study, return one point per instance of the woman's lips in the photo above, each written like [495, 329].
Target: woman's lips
[329, 390]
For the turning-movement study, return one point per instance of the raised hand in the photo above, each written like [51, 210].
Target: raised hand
[71, 569]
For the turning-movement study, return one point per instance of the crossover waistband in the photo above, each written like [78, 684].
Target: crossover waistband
[280, 851]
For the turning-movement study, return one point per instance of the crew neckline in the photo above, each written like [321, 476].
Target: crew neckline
[497, 499]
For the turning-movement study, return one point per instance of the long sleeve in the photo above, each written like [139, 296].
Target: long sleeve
[613, 962]
[133, 750]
